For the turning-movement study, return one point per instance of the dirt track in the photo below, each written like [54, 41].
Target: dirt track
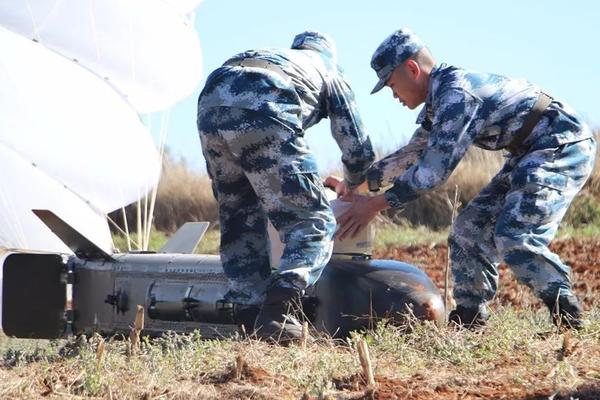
[582, 255]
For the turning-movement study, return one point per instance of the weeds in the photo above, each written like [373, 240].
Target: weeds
[519, 351]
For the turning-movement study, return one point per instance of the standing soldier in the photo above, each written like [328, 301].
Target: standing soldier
[514, 218]
[252, 115]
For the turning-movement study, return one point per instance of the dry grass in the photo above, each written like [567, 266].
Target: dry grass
[184, 195]
[475, 170]
[519, 357]
[472, 174]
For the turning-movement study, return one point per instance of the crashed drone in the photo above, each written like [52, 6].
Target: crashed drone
[181, 291]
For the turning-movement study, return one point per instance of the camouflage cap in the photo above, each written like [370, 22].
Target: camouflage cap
[394, 50]
[317, 41]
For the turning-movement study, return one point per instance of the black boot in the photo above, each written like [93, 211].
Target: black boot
[566, 311]
[273, 321]
[244, 316]
[472, 318]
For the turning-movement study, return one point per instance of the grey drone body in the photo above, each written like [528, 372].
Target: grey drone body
[46, 295]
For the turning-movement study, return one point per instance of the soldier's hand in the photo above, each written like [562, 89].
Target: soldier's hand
[340, 186]
[357, 218]
[362, 211]
[331, 181]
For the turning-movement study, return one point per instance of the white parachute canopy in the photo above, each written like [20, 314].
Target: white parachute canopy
[67, 122]
[184, 6]
[145, 49]
[23, 188]
[74, 74]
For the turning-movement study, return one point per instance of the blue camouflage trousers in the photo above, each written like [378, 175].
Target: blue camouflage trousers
[262, 168]
[513, 219]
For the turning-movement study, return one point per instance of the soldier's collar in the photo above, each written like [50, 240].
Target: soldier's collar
[426, 112]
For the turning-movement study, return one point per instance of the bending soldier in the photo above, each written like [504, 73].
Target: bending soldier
[252, 115]
[514, 218]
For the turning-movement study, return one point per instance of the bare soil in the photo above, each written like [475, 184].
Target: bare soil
[582, 255]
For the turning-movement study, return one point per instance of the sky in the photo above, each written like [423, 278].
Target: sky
[552, 43]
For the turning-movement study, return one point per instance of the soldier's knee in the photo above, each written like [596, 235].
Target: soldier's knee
[324, 222]
[461, 236]
[460, 248]
[319, 227]
[507, 245]
[330, 226]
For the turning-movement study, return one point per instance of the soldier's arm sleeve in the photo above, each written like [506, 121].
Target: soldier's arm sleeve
[454, 127]
[348, 131]
[385, 171]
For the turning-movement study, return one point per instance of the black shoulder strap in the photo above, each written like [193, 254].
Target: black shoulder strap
[534, 116]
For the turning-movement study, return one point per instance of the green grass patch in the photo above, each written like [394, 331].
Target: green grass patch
[157, 240]
[210, 242]
[579, 232]
[404, 234]
[387, 235]
[390, 235]
[208, 245]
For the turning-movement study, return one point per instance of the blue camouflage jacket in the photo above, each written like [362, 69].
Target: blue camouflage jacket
[314, 89]
[463, 108]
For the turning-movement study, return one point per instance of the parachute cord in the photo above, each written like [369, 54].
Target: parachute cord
[36, 31]
[95, 33]
[145, 225]
[140, 237]
[161, 149]
[124, 232]
[126, 229]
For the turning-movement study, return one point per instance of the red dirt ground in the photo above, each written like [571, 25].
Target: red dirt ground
[415, 388]
[582, 255]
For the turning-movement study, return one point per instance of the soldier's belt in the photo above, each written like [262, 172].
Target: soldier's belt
[258, 63]
[534, 116]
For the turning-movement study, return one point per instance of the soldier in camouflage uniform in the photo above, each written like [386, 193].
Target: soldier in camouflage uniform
[252, 115]
[516, 215]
